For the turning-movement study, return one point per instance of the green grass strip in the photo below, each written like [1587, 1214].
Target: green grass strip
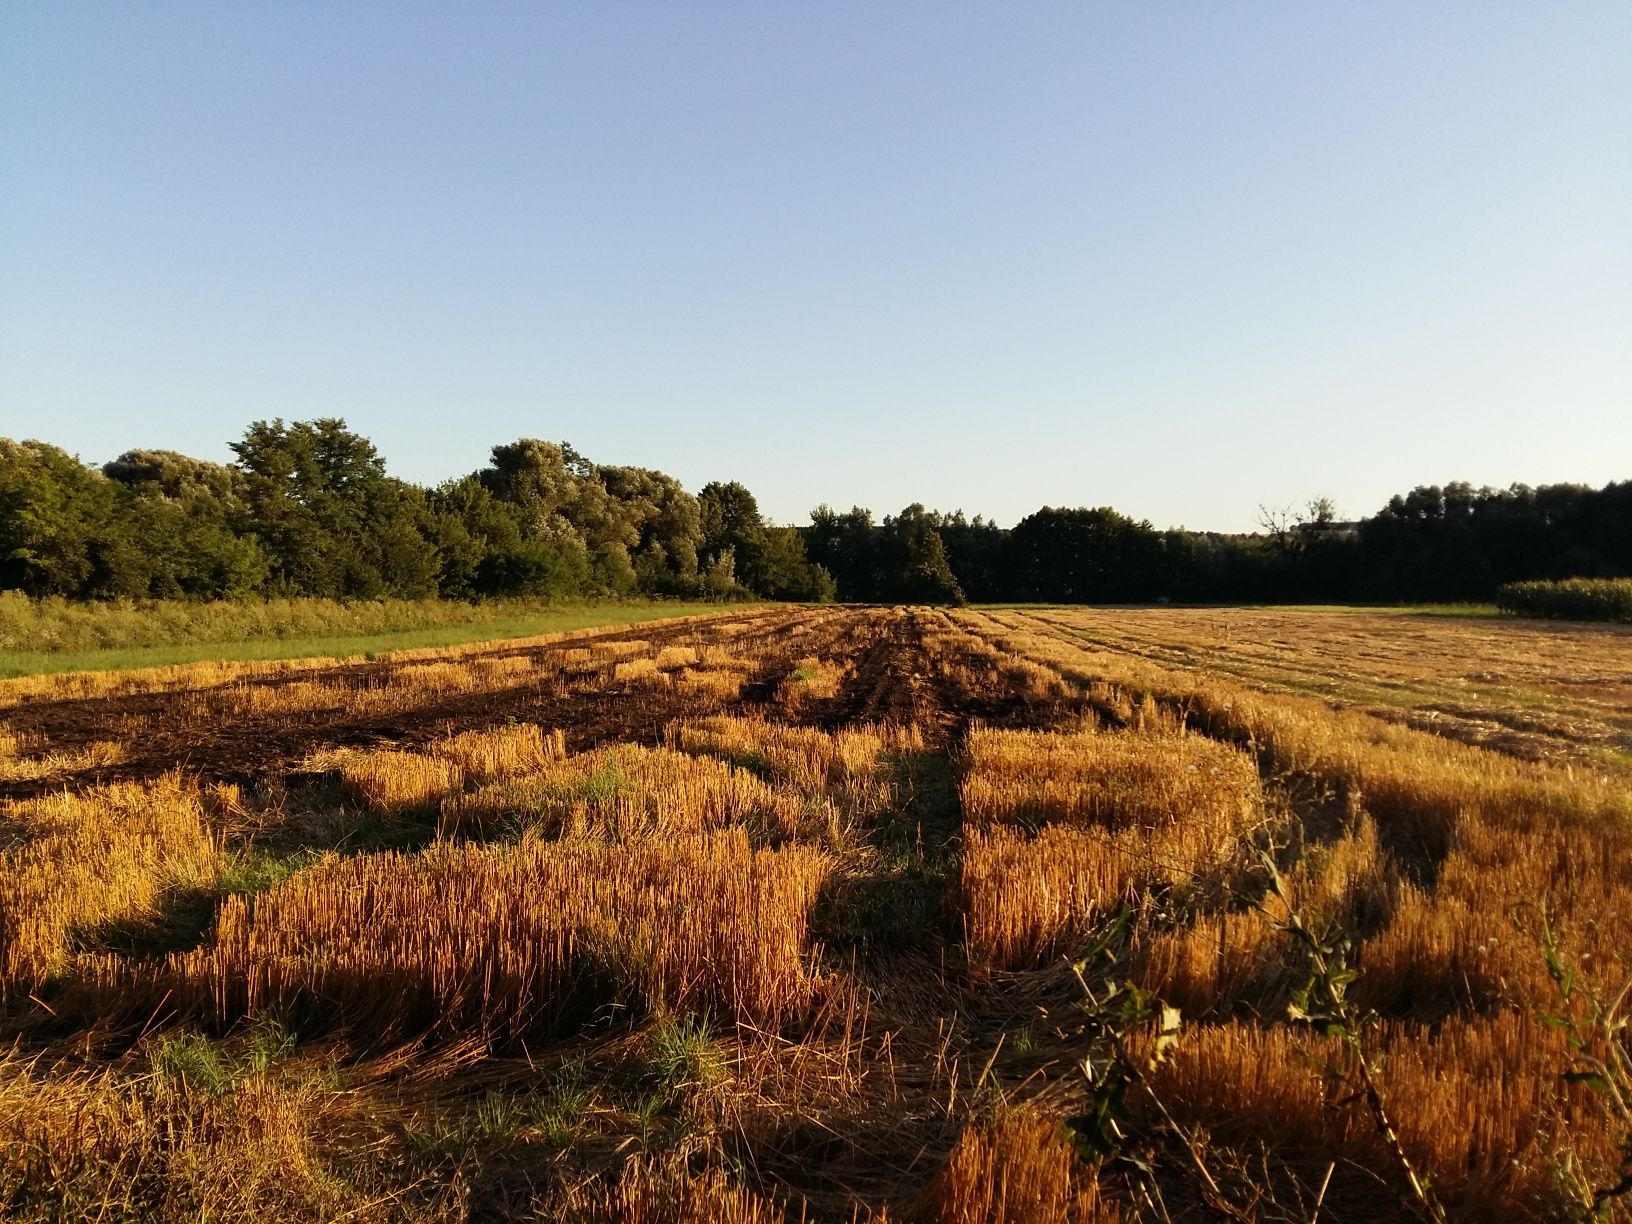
[552, 620]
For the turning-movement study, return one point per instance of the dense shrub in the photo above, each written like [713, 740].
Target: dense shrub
[57, 624]
[1585, 599]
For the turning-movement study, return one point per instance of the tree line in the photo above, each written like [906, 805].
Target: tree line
[1453, 543]
[307, 508]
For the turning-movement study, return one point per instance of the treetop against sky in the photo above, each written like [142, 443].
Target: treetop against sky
[1178, 259]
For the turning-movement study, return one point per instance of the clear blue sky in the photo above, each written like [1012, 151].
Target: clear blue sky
[1177, 258]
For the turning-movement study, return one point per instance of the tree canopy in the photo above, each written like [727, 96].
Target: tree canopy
[308, 508]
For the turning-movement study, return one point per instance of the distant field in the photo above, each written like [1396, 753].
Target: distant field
[1477, 610]
[309, 631]
[1455, 610]
[827, 914]
[1542, 689]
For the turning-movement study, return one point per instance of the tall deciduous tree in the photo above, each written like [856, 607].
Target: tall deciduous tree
[61, 532]
[915, 567]
[329, 518]
[730, 519]
[846, 546]
[1085, 556]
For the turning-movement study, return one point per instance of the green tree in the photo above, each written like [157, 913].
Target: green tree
[330, 520]
[177, 477]
[468, 524]
[566, 506]
[844, 545]
[730, 519]
[1085, 556]
[786, 572]
[668, 525]
[492, 546]
[769, 561]
[916, 569]
[189, 519]
[974, 550]
[62, 526]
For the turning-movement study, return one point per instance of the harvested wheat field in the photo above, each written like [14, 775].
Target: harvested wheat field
[830, 914]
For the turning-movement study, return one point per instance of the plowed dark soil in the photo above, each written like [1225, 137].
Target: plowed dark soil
[896, 677]
[175, 730]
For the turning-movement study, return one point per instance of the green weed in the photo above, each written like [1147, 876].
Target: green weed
[195, 1061]
[254, 869]
[682, 1054]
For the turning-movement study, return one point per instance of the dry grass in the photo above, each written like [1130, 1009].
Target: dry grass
[1446, 840]
[505, 941]
[1217, 964]
[71, 864]
[812, 680]
[1418, 786]
[582, 911]
[446, 677]
[671, 658]
[500, 668]
[640, 672]
[94, 685]
[1033, 778]
[1481, 1107]
[99, 685]
[651, 1193]
[24, 761]
[716, 683]
[295, 697]
[1540, 690]
[980, 666]
[855, 765]
[1120, 815]
[1026, 900]
[89, 1146]
[1236, 959]
[1456, 946]
[1490, 830]
[406, 687]
[629, 793]
[501, 752]
[1016, 1167]
[1013, 1166]
[390, 783]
